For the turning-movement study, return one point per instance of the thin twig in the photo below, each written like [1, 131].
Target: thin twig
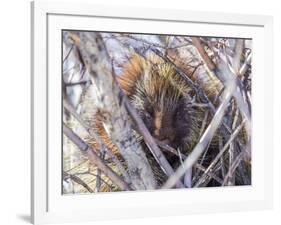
[221, 159]
[204, 122]
[78, 180]
[233, 167]
[232, 151]
[68, 53]
[82, 82]
[99, 173]
[211, 174]
[95, 175]
[246, 65]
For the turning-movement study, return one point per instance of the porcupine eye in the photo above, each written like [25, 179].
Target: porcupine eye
[150, 111]
[147, 116]
[181, 118]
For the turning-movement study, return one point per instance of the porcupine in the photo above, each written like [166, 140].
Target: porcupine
[163, 100]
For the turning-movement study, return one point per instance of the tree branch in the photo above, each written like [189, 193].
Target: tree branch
[77, 180]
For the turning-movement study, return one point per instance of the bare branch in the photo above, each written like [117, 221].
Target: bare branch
[68, 53]
[95, 175]
[197, 43]
[82, 82]
[233, 167]
[246, 64]
[221, 159]
[78, 181]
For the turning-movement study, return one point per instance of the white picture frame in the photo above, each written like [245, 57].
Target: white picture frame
[47, 203]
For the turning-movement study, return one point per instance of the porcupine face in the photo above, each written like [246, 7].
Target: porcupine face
[161, 98]
[167, 123]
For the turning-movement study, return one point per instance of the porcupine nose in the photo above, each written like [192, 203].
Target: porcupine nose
[163, 128]
[166, 135]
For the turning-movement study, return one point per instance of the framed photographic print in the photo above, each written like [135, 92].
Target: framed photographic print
[146, 112]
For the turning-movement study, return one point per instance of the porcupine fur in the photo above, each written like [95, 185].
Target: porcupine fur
[164, 102]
